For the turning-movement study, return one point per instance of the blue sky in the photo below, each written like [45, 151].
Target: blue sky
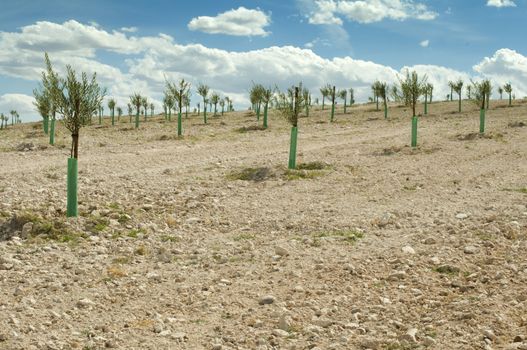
[441, 38]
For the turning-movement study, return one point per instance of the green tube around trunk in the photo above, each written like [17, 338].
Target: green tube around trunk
[307, 110]
[257, 112]
[113, 118]
[137, 120]
[426, 105]
[52, 132]
[170, 115]
[414, 131]
[385, 110]
[100, 118]
[345, 106]
[510, 100]
[46, 125]
[377, 103]
[179, 126]
[72, 188]
[482, 121]
[265, 116]
[459, 108]
[292, 148]
[332, 112]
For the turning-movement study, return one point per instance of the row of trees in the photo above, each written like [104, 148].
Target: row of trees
[4, 119]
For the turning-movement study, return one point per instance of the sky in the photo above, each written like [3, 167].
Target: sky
[136, 46]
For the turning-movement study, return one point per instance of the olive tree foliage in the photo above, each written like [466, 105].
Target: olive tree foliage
[137, 101]
[481, 92]
[325, 91]
[178, 91]
[412, 87]
[429, 90]
[203, 91]
[290, 103]
[75, 99]
[42, 102]
[215, 99]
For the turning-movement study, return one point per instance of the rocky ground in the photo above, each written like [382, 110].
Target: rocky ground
[209, 242]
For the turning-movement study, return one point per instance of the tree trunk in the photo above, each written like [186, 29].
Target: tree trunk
[75, 145]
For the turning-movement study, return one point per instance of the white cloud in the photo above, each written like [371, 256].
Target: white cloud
[23, 104]
[505, 66]
[362, 11]
[239, 22]
[149, 60]
[424, 43]
[129, 29]
[501, 3]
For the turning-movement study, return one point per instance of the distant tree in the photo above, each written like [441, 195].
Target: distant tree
[481, 91]
[203, 91]
[152, 107]
[2, 118]
[412, 89]
[215, 99]
[352, 97]
[325, 91]
[119, 114]
[382, 91]
[267, 95]
[376, 89]
[145, 104]
[136, 100]
[130, 111]
[43, 104]
[111, 106]
[222, 105]
[178, 92]
[428, 90]
[469, 92]
[451, 84]
[508, 89]
[343, 95]
[256, 97]
[306, 96]
[332, 94]
[169, 101]
[500, 91]
[458, 88]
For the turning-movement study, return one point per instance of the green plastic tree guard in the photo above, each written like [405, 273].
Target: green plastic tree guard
[344, 106]
[137, 120]
[113, 118]
[459, 108]
[45, 124]
[72, 188]
[482, 121]
[292, 148]
[257, 112]
[510, 100]
[205, 114]
[179, 126]
[377, 103]
[265, 116]
[385, 111]
[414, 131]
[426, 106]
[332, 112]
[52, 132]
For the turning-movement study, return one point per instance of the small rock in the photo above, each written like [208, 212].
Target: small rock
[429, 341]
[267, 299]
[409, 336]
[489, 334]
[397, 275]
[281, 251]
[85, 303]
[519, 338]
[430, 240]
[461, 216]
[470, 249]
[3, 337]
[280, 333]
[408, 250]
[179, 336]
[110, 344]
[27, 229]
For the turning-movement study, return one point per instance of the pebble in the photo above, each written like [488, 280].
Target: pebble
[281, 251]
[408, 250]
[461, 216]
[398, 275]
[85, 303]
[470, 249]
[267, 299]
[409, 336]
[280, 333]
[489, 334]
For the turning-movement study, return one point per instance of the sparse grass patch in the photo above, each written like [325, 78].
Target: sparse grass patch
[97, 225]
[251, 174]
[170, 238]
[447, 269]
[245, 129]
[349, 236]
[243, 237]
[293, 174]
[519, 190]
[312, 166]
[116, 272]
[122, 260]
[135, 233]
[141, 250]
[517, 124]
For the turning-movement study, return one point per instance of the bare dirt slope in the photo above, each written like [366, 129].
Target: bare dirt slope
[385, 247]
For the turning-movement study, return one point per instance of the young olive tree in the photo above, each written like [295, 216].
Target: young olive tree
[332, 94]
[428, 90]
[152, 108]
[289, 105]
[215, 99]
[130, 111]
[136, 100]
[169, 102]
[145, 104]
[203, 91]
[76, 100]
[325, 91]
[111, 106]
[481, 91]
[508, 89]
[458, 88]
[43, 104]
[267, 95]
[412, 88]
[343, 94]
[306, 96]
[451, 85]
[500, 91]
[178, 92]
[382, 91]
[119, 114]
[376, 89]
